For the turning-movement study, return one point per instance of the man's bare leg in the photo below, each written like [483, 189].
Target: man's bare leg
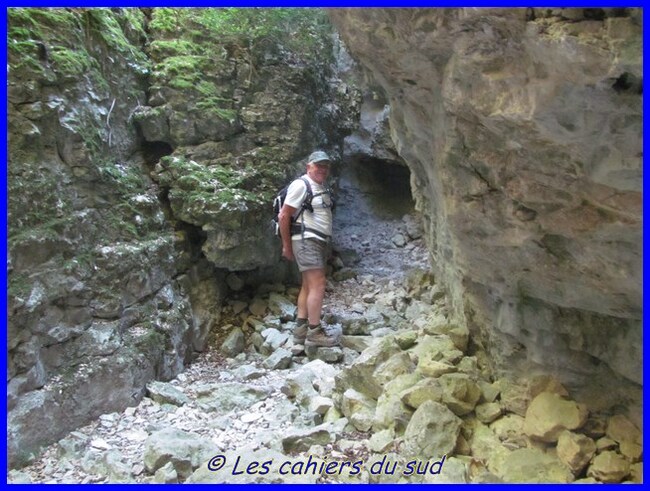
[314, 280]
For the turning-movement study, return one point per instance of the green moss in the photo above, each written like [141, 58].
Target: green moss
[71, 63]
[43, 20]
[194, 47]
[210, 91]
[58, 39]
[160, 49]
[105, 23]
[19, 285]
[34, 36]
[50, 229]
[152, 342]
[127, 180]
[82, 264]
[212, 110]
[168, 20]
[135, 21]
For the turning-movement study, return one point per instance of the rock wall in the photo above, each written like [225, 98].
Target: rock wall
[118, 251]
[241, 129]
[100, 288]
[522, 130]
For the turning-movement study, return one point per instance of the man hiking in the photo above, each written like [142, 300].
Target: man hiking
[306, 232]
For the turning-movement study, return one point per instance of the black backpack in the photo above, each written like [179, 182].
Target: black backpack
[278, 202]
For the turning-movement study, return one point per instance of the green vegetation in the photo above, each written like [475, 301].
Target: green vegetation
[106, 25]
[203, 53]
[60, 39]
[192, 47]
[33, 35]
[202, 191]
[127, 180]
[25, 212]
[299, 29]
[20, 285]
[49, 230]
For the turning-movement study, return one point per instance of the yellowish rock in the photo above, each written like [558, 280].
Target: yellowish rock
[575, 450]
[549, 414]
[621, 429]
[609, 467]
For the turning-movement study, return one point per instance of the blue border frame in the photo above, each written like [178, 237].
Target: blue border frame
[296, 3]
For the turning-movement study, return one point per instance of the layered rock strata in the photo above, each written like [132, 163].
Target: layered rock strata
[522, 130]
[117, 250]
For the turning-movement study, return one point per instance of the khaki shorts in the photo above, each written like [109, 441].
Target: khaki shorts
[310, 253]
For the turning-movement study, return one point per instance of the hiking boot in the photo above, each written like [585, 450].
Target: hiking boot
[300, 333]
[321, 337]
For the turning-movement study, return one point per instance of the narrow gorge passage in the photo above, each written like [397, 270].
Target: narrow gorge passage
[240, 406]
[487, 260]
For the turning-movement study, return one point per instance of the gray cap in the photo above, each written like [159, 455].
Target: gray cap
[318, 156]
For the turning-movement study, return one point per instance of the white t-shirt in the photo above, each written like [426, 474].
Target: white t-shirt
[321, 218]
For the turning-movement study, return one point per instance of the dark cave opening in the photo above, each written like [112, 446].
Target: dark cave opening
[628, 82]
[384, 186]
[153, 151]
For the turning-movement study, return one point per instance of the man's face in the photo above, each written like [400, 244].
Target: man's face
[318, 171]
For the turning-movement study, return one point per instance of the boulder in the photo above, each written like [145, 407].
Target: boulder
[459, 392]
[282, 307]
[391, 412]
[320, 405]
[459, 334]
[329, 354]
[609, 467]
[280, 359]
[166, 475]
[166, 393]
[301, 440]
[621, 429]
[186, 451]
[484, 444]
[381, 441]
[358, 408]
[488, 412]
[530, 465]
[224, 397]
[234, 343]
[432, 431]
[428, 389]
[360, 374]
[398, 364]
[510, 429]
[357, 343]
[575, 450]
[439, 348]
[549, 415]
[274, 338]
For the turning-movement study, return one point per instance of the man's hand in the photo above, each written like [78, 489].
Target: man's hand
[287, 253]
[284, 219]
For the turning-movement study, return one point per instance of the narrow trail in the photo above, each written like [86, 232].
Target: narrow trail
[238, 406]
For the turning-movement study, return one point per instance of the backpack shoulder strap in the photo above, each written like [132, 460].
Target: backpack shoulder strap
[306, 204]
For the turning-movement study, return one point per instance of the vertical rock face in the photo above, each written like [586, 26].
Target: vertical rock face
[99, 296]
[117, 253]
[522, 130]
[241, 117]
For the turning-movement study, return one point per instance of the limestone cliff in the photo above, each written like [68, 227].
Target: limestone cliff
[522, 130]
[95, 304]
[141, 166]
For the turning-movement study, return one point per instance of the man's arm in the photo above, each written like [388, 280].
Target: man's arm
[284, 218]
